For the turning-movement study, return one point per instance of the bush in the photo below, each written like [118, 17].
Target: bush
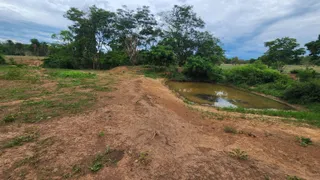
[294, 71]
[199, 68]
[113, 59]
[253, 74]
[303, 92]
[162, 56]
[306, 75]
[56, 61]
[2, 60]
[174, 73]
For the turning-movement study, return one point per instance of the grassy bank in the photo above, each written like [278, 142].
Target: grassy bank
[307, 117]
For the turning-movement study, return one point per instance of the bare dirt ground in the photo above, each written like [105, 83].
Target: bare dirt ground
[155, 135]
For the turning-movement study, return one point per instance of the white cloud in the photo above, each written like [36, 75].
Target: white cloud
[242, 25]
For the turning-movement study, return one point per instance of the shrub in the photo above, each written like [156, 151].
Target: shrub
[294, 71]
[303, 141]
[2, 60]
[161, 56]
[303, 92]
[113, 59]
[199, 68]
[175, 74]
[306, 75]
[253, 75]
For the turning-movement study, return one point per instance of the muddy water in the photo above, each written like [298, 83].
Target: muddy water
[223, 96]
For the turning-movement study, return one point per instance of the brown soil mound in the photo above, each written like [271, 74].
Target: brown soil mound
[161, 138]
[120, 69]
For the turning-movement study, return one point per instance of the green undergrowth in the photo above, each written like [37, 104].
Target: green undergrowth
[311, 118]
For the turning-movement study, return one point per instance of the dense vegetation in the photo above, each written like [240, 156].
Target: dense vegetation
[35, 48]
[101, 39]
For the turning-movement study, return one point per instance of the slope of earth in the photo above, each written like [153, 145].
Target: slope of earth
[141, 130]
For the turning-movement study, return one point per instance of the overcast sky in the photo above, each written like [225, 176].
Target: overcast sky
[242, 25]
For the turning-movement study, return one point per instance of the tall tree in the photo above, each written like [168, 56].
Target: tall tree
[181, 25]
[209, 47]
[135, 29]
[314, 48]
[285, 50]
[34, 47]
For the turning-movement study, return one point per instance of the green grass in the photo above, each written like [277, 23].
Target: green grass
[152, 74]
[20, 140]
[62, 73]
[303, 141]
[287, 68]
[19, 73]
[63, 97]
[311, 118]
[108, 158]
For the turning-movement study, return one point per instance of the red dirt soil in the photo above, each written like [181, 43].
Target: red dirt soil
[143, 115]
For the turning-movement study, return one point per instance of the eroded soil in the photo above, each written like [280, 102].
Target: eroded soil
[146, 132]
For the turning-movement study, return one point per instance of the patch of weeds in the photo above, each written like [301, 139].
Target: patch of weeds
[293, 178]
[309, 117]
[76, 169]
[304, 141]
[107, 158]
[238, 154]
[21, 73]
[9, 118]
[143, 158]
[101, 134]
[228, 129]
[152, 74]
[71, 74]
[15, 74]
[188, 102]
[266, 177]
[208, 114]
[20, 140]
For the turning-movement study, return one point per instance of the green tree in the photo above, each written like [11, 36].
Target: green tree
[285, 50]
[181, 25]
[34, 47]
[209, 47]
[314, 48]
[134, 29]
[65, 37]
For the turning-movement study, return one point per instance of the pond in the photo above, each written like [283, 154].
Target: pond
[223, 96]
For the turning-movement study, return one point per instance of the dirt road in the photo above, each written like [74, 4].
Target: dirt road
[155, 135]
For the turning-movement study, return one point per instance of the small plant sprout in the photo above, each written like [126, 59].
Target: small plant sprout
[304, 141]
[143, 158]
[101, 134]
[239, 154]
[293, 178]
[228, 129]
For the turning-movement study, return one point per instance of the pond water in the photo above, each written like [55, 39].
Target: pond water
[223, 96]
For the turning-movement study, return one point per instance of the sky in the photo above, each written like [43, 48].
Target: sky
[242, 25]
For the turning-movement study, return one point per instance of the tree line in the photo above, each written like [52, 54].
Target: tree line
[284, 51]
[102, 39]
[35, 48]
